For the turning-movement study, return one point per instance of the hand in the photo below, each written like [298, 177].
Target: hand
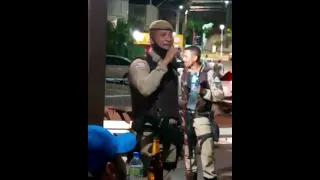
[170, 54]
[203, 92]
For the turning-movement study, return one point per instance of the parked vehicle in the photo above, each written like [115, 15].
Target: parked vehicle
[117, 68]
[226, 81]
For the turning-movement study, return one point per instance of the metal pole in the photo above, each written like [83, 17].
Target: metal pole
[227, 16]
[184, 28]
[161, 3]
[178, 21]
[221, 46]
[97, 18]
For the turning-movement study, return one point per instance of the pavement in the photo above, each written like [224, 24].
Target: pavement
[116, 88]
[223, 164]
[224, 57]
[117, 94]
[227, 65]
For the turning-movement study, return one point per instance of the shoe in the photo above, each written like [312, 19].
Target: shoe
[192, 176]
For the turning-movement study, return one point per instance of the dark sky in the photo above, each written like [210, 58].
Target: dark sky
[157, 2]
[167, 12]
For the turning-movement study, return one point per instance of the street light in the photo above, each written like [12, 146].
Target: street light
[137, 35]
[178, 18]
[227, 12]
[184, 28]
[221, 46]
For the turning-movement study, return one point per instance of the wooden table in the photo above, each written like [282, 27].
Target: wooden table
[118, 113]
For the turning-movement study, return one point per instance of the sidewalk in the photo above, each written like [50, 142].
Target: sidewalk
[223, 165]
[215, 56]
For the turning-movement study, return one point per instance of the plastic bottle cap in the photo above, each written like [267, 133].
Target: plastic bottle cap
[136, 154]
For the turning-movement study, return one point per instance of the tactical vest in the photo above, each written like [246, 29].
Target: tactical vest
[203, 108]
[203, 105]
[163, 102]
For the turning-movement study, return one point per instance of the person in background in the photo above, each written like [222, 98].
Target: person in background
[204, 61]
[209, 62]
[199, 125]
[218, 69]
[178, 55]
[104, 149]
[221, 68]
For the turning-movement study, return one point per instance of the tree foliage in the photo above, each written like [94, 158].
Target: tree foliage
[119, 37]
[207, 29]
[196, 26]
[229, 32]
[193, 26]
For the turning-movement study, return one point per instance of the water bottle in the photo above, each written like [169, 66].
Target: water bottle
[192, 100]
[136, 167]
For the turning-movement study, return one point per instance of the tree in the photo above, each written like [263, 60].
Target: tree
[118, 37]
[193, 26]
[207, 29]
[229, 32]
[217, 42]
[229, 36]
[110, 41]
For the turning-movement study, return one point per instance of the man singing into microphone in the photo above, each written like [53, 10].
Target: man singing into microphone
[153, 81]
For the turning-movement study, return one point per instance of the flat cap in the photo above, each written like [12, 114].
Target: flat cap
[160, 25]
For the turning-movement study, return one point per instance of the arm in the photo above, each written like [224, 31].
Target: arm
[215, 93]
[145, 81]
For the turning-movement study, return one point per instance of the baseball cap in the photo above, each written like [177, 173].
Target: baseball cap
[103, 146]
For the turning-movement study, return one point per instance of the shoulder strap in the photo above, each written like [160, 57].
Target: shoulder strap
[184, 76]
[206, 68]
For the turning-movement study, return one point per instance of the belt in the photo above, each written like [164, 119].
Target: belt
[191, 111]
